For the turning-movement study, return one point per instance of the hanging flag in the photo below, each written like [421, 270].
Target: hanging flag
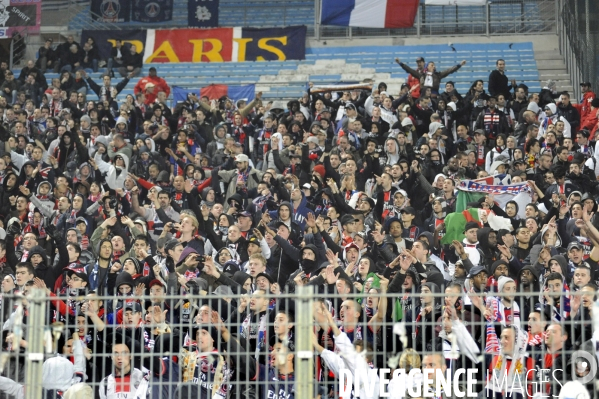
[202, 13]
[214, 92]
[113, 11]
[471, 191]
[369, 13]
[152, 10]
[455, 223]
[455, 2]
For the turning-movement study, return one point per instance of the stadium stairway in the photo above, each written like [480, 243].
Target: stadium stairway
[332, 65]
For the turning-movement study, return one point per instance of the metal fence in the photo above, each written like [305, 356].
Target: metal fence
[197, 345]
[579, 41]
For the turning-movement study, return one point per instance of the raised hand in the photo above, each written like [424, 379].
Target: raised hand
[505, 251]
[311, 220]
[24, 190]
[332, 257]
[330, 275]
[140, 289]
[258, 234]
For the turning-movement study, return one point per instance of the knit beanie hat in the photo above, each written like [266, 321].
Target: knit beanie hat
[501, 281]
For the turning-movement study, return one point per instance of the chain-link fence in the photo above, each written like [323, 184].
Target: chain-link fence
[579, 40]
[300, 344]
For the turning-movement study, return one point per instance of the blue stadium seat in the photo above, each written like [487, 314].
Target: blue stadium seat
[480, 59]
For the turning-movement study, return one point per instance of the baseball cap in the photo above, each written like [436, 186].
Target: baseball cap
[242, 158]
[586, 84]
[171, 244]
[266, 276]
[150, 84]
[133, 306]
[350, 106]
[369, 200]
[254, 241]
[244, 213]
[156, 282]
[475, 271]
[408, 209]
[345, 219]
[418, 59]
[574, 244]
[307, 186]
[81, 275]
[480, 131]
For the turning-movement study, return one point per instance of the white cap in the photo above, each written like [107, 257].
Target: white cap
[406, 122]
[452, 105]
[534, 107]
[313, 139]
[242, 158]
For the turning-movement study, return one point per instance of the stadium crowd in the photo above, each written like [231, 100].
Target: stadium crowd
[346, 191]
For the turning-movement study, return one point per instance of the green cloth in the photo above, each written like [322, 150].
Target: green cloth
[456, 222]
[376, 283]
[464, 198]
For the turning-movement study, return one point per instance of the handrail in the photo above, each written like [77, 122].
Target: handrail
[23, 32]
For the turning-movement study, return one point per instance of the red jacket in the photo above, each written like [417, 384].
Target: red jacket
[584, 108]
[159, 85]
[590, 122]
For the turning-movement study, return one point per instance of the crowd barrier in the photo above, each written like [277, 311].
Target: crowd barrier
[170, 355]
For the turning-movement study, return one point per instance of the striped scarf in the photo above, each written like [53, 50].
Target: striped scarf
[84, 242]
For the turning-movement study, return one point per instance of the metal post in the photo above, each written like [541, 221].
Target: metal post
[488, 18]
[419, 20]
[350, 32]
[557, 14]
[35, 344]
[317, 12]
[587, 14]
[12, 49]
[304, 361]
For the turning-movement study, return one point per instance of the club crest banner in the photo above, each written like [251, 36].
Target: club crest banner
[113, 11]
[152, 10]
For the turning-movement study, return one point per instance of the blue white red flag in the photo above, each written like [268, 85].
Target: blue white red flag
[369, 13]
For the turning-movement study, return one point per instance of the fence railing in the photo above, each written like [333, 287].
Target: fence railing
[219, 345]
[579, 41]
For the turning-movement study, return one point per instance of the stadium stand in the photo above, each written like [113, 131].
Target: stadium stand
[287, 79]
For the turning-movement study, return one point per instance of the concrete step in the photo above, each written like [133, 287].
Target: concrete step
[555, 76]
[552, 72]
[359, 77]
[547, 55]
[551, 65]
[330, 63]
[332, 69]
[283, 78]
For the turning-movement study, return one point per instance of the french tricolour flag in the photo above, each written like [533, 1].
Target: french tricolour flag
[369, 13]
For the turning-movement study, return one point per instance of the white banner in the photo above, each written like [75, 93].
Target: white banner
[455, 2]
